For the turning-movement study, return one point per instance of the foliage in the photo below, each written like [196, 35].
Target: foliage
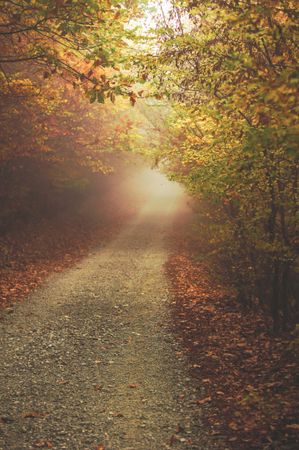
[229, 69]
[247, 379]
[58, 65]
[232, 69]
[52, 54]
[76, 39]
[58, 124]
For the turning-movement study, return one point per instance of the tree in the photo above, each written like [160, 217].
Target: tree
[232, 69]
[75, 39]
[58, 65]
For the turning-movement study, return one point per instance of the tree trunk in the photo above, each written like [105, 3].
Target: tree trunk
[275, 297]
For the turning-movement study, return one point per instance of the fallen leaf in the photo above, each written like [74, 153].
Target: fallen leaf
[293, 426]
[233, 426]
[33, 415]
[43, 444]
[203, 401]
[100, 447]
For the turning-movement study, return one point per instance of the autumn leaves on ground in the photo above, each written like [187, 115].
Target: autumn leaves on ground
[58, 229]
[208, 92]
[250, 376]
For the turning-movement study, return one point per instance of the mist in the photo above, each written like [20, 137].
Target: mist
[133, 190]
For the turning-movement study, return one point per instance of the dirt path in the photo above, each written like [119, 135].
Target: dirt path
[89, 360]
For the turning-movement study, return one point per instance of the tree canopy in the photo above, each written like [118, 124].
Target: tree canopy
[224, 74]
[230, 70]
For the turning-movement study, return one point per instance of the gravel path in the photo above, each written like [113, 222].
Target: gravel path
[88, 360]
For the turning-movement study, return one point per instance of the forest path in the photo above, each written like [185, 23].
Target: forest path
[88, 360]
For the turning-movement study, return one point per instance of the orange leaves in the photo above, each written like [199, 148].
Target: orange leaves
[30, 254]
[43, 444]
[233, 426]
[204, 400]
[236, 362]
[33, 415]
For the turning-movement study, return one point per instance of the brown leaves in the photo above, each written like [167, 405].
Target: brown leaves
[43, 444]
[30, 253]
[100, 447]
[133, 386]
[33, 415]
[133, 98]
[248, 377]
[204, 400]
[233, 426]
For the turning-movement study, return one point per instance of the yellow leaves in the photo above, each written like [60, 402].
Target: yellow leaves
[19, 86]
[193, 139]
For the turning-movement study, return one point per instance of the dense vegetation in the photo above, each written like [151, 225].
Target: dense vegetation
[56, 57]
[209, 90]
[230, 72]
[230, 69]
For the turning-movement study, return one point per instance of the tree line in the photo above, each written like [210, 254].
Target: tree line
[227, 73]
[230, 69]
[58, 64]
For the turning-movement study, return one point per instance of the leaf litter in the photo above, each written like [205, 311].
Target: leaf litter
[249, 376]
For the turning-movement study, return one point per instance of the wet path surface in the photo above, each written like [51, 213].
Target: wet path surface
[88, 360]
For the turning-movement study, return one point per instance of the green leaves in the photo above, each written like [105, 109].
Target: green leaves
[96, 96]
[92, 96]
[91, 32]
[234, 134]
[100, 97]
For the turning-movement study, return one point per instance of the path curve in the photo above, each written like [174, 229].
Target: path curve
[88, 360]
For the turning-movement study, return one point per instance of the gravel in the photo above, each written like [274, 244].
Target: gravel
[88, 359]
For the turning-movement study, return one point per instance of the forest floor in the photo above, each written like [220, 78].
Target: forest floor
[88, 361]
[250, 375]
[31, 252]
[133, 344]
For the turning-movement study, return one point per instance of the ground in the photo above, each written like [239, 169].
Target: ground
[89, 361]
[135, 344]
